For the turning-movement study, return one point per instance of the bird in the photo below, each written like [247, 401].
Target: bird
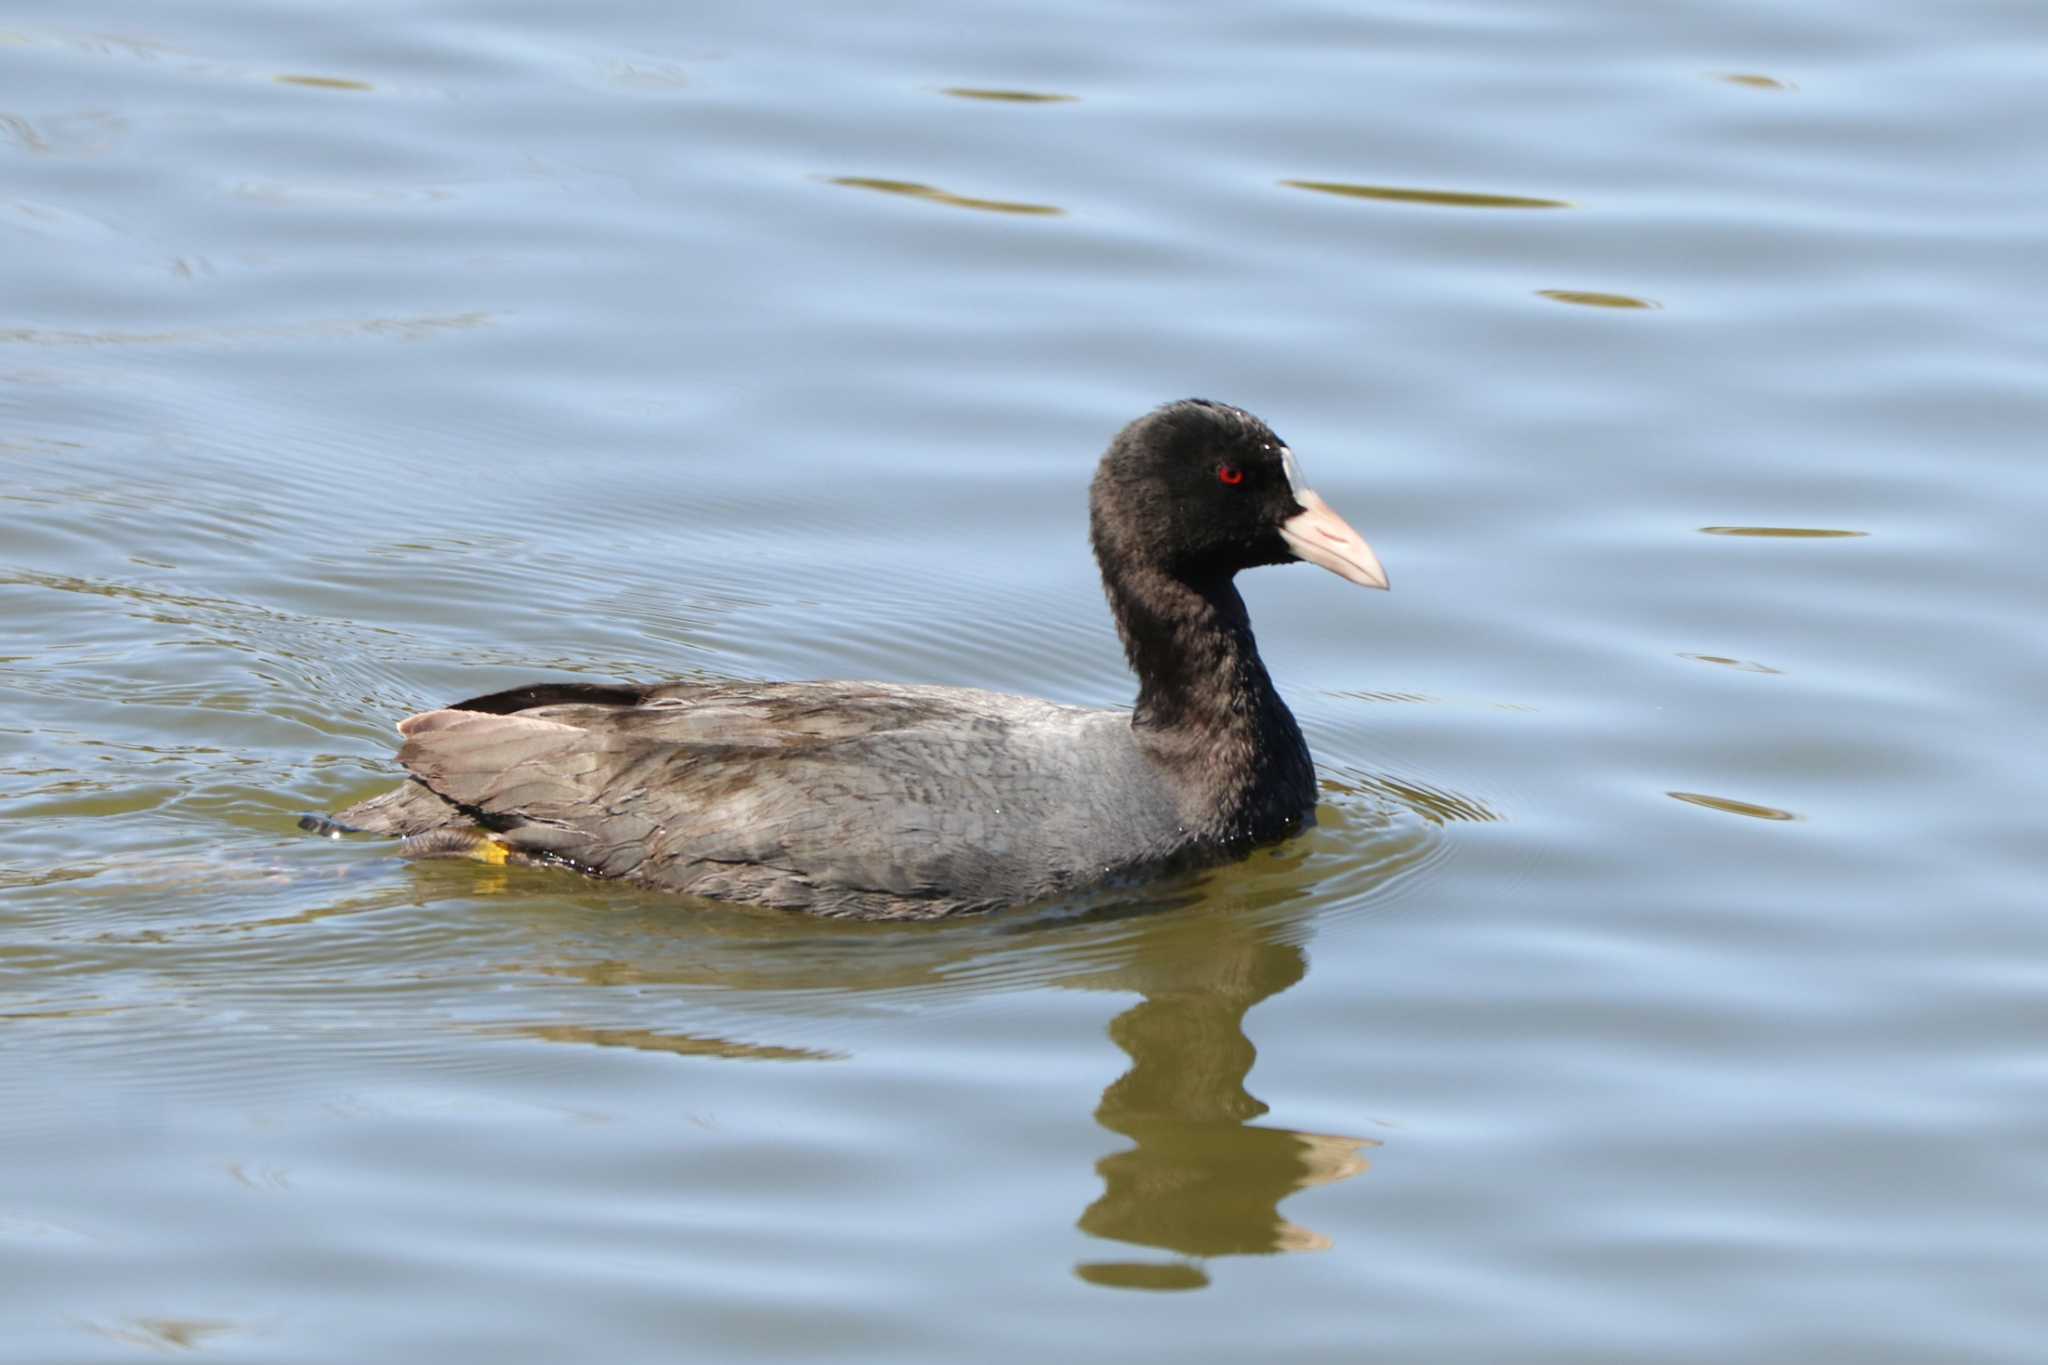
[877, 800]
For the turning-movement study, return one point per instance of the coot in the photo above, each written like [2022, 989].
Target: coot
[880, 801]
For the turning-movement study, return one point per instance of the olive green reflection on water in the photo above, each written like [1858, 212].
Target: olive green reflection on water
[1740, 665]
[1753, 81]
[1200, 1179]
[1457, 199]
[81, 1012]
[1007, 96]
[323, 82]
[1153, 1275]
[1593, 298]
[1437, 806]
[1733, 807]
[1783, 532]
[912, 190]
[680, 1044]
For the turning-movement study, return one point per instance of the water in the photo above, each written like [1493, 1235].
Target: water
[1660, 982]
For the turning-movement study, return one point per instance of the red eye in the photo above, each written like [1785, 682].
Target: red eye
[1230, 474]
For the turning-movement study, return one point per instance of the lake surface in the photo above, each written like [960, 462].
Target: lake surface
[1664, 980]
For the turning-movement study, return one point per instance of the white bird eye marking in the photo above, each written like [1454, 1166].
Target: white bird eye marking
[1295, 482]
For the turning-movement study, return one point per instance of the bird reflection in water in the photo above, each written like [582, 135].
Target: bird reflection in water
[1201, 1179]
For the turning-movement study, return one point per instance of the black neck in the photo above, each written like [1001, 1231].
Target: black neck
[1206, 707]
[1192, 649]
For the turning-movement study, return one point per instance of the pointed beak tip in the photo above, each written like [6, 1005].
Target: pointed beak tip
[1375, 578]
[1318, 536]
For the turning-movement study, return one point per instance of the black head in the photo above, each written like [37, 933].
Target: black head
[1201, 490]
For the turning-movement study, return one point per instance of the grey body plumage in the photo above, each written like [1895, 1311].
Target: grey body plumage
[882, 801]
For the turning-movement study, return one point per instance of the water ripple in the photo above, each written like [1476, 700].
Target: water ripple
[910, 189]
[324, 83]
[1007, 96]
[1731, 806]
[1589, 298]
[1456, 199]
[1782, 532]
